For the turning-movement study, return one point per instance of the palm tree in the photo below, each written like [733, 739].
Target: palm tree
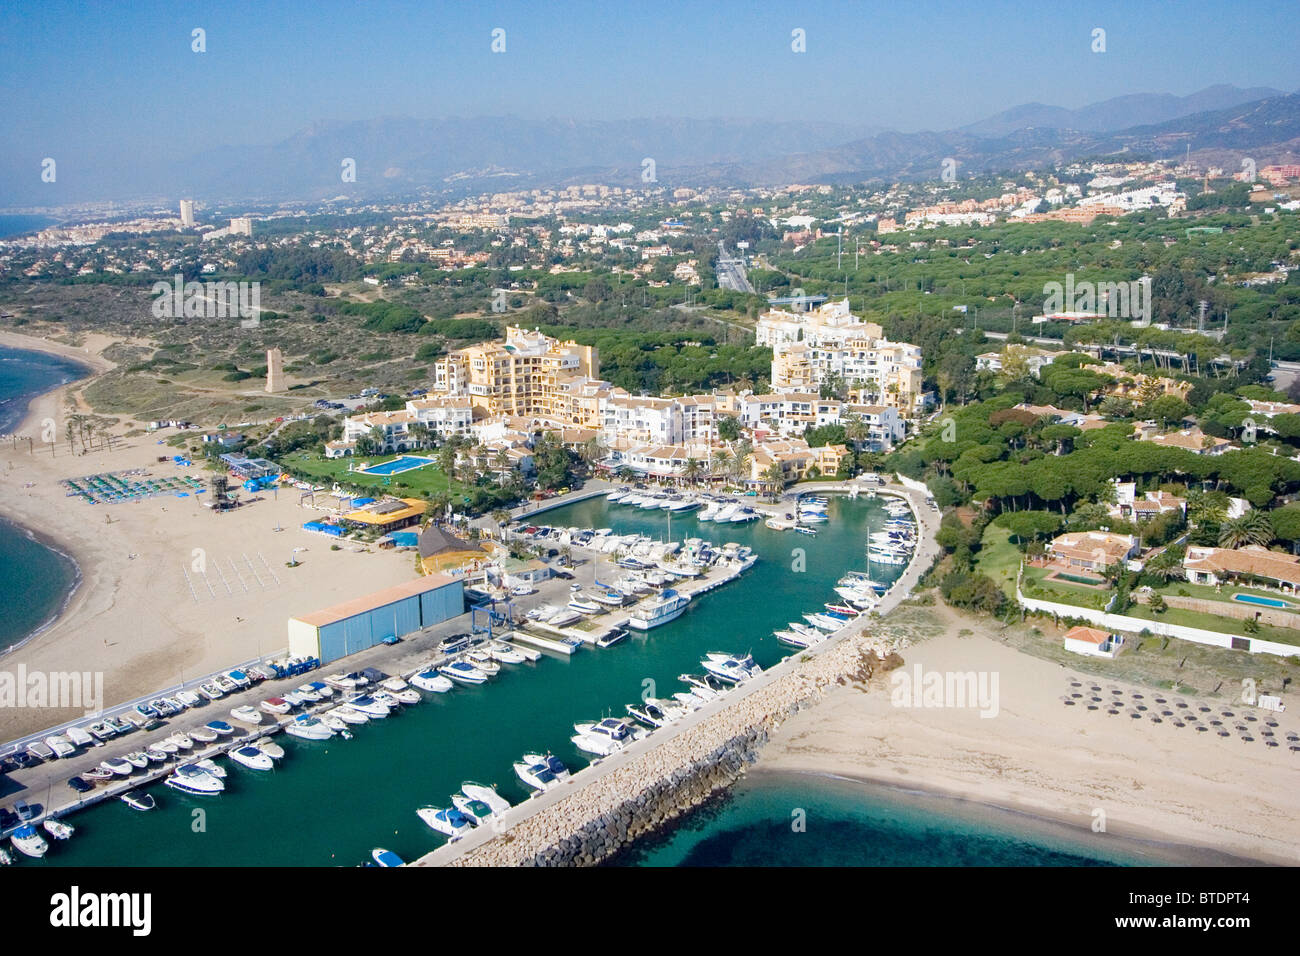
[691, 471]
[774, 479]
[500, 516]
[1251, 528]
[856, 431]
[721, 462]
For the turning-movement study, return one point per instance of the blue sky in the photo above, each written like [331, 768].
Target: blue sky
[118, 79]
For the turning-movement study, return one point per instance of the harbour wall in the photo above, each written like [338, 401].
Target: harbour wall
[636, 793]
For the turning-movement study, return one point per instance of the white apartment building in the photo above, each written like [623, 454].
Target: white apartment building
[809, 348]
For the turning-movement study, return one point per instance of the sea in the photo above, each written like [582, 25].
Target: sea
[35, 578]
[329, 803]
[20, 224]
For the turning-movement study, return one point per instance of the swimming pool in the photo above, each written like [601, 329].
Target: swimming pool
[397, 465]
[1261, 601]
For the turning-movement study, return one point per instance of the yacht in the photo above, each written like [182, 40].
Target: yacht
[252, 757]
[308, 694]
[504, 653]
[611, 638]
[705, 687]
[384, 857]
[189, 778]
[118, 766]
[138, 801]
[793, 639]
[270, 748]
[29, 842]
[611, 598]
[336, 724]
[400, 690]
[583, 606]
[617, 495]
[541, 771]
[211, 767]
[203, 735]
[826, 622]
[667, 605]
[431, 681]
[564, 619]
[246, 714]
[463, 672]
[137, 759]
[843, 610]
[346, 714]
[368, 705]
[656, 712]
[731, 668]
[450, 821]
[482, 659]
[605, 737]
[340, 682]
[220, 728]
[812, 633]
[58, 829]
[485, 794]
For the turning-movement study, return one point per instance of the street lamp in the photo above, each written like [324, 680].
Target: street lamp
[293, 562]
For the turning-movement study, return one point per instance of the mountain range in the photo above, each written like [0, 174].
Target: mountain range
[447, 158]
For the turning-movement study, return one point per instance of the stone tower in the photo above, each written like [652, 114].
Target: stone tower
[274, 371]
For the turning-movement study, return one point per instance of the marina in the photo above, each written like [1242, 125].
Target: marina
[422, 762]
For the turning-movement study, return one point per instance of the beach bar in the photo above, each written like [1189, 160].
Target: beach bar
[366, 621]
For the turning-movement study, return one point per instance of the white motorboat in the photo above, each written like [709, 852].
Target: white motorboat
[617, 495]
[486, 794]
[709, 511]
[251, 757]
[137, 758]
[270, 748]
[386, 858]
[156, 754]
[348, 715]
[583, 606]
[432, 681]
[463, 672]
[793, 639]
[606, 736]
[28, 841]
[118, 766]
[731, 668]
[657, 712]
[220, 728]
[182, 740]
[705, 688]
[138, 801]
[341, 682]
[276, 705]
[541, 771]
[61, 746]
[308, 693]
[210, 690]
[246, 714]
[79, 737]
[400, 690]
[667, 605]
[482, 659]
[166, 745]
[449, 821]
[58, 829]
[190, 778]
[334, 723]
[188, 698]
[320, 687]
[504, 653]
[825, 622]
[204, 735]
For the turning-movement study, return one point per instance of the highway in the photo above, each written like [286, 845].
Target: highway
[731, 272]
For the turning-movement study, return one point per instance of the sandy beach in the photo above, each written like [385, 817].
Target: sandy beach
[1039, 756]
[169, 590]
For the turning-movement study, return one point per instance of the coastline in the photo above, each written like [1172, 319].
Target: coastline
[1160, 848]
[1199, 797]
[69, 593]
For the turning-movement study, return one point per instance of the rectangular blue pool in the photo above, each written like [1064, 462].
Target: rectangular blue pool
[1261, 601]
[397, 465]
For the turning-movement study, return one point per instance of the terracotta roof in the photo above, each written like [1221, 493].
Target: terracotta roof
[1089, 634]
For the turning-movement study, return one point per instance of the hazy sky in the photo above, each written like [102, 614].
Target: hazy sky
[119, 80]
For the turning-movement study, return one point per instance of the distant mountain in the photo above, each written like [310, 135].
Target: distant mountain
[1121, 112]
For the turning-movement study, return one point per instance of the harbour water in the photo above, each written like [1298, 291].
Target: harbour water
[330, 803]
[35, 580]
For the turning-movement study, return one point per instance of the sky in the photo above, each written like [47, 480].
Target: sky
[117, 81]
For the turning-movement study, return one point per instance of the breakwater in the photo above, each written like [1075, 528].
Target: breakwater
[651, 789]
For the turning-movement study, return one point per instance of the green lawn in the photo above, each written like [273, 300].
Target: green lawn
[429, 479]
[999, 558]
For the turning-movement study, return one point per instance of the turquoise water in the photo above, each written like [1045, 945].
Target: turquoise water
[331, 802]
[34, 580]
[787, 819]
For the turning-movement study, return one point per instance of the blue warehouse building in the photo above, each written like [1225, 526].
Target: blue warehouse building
[364, 622]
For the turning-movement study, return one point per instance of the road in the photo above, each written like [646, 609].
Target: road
[731, 272]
